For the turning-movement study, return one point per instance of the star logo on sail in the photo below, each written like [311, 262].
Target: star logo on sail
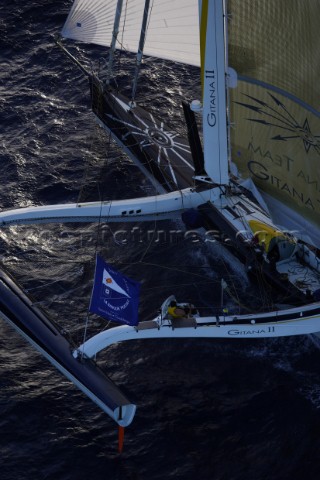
[277, 115]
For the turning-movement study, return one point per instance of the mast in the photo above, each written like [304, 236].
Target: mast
[213, 73]
[140, 49]
[226, 57]
[114, 40]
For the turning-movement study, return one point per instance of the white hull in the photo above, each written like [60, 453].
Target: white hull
[137, 209]
[295, 321]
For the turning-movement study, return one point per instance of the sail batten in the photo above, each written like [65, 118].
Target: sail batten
[173, 27]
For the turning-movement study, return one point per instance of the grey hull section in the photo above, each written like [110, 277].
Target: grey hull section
[17, 309]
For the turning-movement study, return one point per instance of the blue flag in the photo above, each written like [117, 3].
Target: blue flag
[114, 296]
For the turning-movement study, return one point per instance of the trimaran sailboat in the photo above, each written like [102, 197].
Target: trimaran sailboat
[191, 177]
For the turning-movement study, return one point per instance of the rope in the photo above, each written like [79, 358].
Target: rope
[95, 253]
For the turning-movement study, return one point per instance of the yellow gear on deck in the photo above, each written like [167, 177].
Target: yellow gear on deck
[171, 311]
[265, 233]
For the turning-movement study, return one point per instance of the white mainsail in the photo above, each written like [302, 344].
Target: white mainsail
[173, 28]
[90, 21]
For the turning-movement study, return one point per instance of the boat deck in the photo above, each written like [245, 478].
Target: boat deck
[299, 275]
[184, 323]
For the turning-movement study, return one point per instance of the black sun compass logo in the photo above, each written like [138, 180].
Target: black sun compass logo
[169, 151]
[277, 115]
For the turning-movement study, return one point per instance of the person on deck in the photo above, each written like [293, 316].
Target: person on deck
[177, 311]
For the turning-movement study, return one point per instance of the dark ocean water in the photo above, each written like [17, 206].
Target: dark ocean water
[222, 410]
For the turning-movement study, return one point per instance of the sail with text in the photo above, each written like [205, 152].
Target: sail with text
[115, 297]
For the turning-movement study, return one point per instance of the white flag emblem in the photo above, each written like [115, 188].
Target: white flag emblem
[109, 282]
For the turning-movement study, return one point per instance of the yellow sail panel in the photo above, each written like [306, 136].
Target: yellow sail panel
[275, 109]
[277, 144]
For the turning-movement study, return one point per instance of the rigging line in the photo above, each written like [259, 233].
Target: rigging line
[106, 326]
[88, 167]
[97, 237]
[169, 268]
[179, 265]
[151, 239]
[122, 36]
[154, 231]
[207, 282]
[72, 262]
[229, 279]
[66, 292]
[263, 285]
[153, 235]
[47, 284]
[93, 136]
[95, 254]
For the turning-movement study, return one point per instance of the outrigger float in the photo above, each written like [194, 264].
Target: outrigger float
[78, 364]
[284, 323]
